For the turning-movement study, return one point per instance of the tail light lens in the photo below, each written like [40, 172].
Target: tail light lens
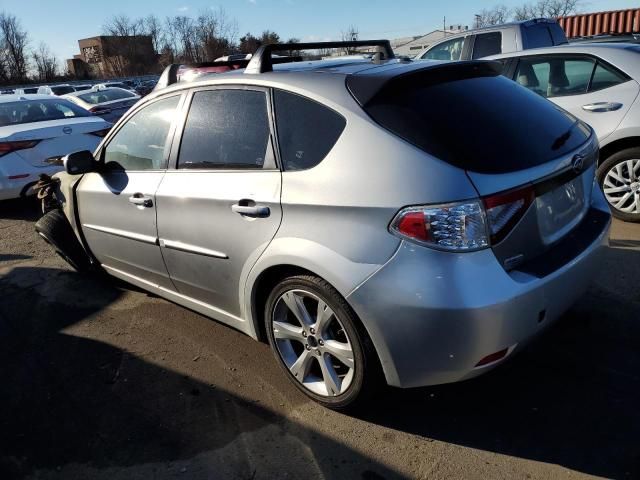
[101, 133]
[454, 227]
[8, 147]
[505, 209]
[464, 226]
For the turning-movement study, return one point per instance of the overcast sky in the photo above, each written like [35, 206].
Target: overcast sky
[60, 24]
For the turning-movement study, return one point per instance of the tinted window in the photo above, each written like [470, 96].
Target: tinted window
[102, 96]
[555, 76]
[14, 113]
[605, 77]
[451, 50]
[140, 143]
[307, 130]
[225, 129]
[62, 90]
[483, 124]
[487, 44]
[536, 36]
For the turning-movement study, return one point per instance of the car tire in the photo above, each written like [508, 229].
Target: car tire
[622, 171]
[55, 229]
[339, 331]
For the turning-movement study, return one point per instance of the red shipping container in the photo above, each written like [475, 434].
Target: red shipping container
[615, 21]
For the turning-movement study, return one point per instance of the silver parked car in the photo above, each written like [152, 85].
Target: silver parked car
[108, 103]
[598, 83]
[381, 220]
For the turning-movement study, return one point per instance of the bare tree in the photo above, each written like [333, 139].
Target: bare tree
[153, 27]
[492, 16]
[13, 46]
[46, 63]
[547, 8]
[351, 34]
[249, 43]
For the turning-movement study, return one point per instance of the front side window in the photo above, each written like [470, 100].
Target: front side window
[487, 44]
[451, 50]
[555, 76]
[103, 96]
[307, 130]
[225, 129]
[140, 143]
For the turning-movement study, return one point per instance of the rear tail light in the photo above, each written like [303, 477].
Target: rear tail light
[101, 133]
[8, 147]
[454, 227]
[464, 226]
[505, 209]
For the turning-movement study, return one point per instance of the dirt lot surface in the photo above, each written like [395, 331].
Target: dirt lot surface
[100, 380]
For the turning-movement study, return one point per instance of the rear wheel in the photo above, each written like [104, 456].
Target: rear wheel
[619, 177]
[319, 342]
[54, 228]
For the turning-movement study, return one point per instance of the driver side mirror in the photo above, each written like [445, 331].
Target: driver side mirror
[78, 163]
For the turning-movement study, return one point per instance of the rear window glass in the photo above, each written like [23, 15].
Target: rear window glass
[482, 124]
[307, 130]
[537, 36]
[16, 113]
[103, 96]
[605, 77]
[487, 44]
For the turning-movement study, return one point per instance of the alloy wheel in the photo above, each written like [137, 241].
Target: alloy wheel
[313, 343]
[621, 186]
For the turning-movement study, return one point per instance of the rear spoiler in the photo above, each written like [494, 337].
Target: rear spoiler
[364, 87]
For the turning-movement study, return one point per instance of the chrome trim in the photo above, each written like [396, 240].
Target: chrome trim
[185, 247]
[123, 233]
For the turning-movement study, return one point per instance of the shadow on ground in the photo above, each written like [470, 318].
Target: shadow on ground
[68, 400]
[21, 209]
[572, 398]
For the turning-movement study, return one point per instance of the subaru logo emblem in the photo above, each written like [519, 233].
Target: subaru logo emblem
[577, 163]
[67, 130]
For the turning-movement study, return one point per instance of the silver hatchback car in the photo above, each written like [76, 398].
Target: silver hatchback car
[373, 220]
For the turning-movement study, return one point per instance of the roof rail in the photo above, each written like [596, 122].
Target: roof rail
[170, 74]
[262, 62]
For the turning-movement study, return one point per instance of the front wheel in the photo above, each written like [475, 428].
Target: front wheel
[319, 342]
[619, 177]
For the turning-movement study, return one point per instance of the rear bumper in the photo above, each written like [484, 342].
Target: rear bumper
[14, 187]
[433, 316]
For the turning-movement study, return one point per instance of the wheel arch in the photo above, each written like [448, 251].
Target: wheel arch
[617, 146]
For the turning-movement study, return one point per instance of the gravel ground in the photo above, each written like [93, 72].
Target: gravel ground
[100, 380]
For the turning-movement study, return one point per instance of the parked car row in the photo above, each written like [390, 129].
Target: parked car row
[351, 219]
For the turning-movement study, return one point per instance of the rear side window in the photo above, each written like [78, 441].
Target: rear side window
[307, 130]
[605, 77]
[225, 129]
[487, 44]
[484, 124]
[537, 36]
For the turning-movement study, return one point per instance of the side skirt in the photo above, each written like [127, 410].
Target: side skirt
[188, 302]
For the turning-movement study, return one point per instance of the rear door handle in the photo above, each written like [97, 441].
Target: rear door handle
[599, 107]
[254, 211]
[141, 200]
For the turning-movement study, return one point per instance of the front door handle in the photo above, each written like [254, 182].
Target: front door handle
[141, 200]
[599, 107]
[253, 211]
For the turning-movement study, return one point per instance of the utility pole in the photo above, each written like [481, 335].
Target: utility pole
[477, 20]
[444, 25]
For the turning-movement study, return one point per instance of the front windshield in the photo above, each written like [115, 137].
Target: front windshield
[16, 113]
[103, 96]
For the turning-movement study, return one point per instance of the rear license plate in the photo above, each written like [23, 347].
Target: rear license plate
[561, 209]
